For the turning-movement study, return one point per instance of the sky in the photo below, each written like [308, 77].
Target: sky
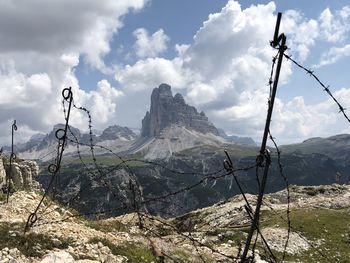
[215, 53]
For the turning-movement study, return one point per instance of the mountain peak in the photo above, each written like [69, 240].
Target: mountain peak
[167, 110]
[117, 132]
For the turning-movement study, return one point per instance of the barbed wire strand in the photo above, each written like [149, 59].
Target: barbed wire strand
[228, 165]
[54, 168]
[325, 88]
[285, 179]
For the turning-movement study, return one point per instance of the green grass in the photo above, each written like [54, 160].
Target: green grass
[2, 196]
[332, 226]
[135, 252]
[11, 236]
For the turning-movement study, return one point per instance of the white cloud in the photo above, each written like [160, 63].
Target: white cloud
[149, 73]
[301, 33]
[333, 55]
[335, 26]
[38, 53]
[225, 71]
[150, 46]
[63, 26]
[216, 68]
[19, 90]
[295, 119]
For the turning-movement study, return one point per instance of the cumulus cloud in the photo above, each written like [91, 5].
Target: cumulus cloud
[149, 73]
[225, 70]
[215, 70]
[61, 26]
[150, 46]
[335, 26]
[333, 55]
[302, 33]
[38, 53]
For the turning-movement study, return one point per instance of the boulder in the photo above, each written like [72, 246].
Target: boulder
[58, 257]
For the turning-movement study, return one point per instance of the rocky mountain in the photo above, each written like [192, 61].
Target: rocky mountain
[117, 132]
[172, 139]
[187, 167]
[335, 147]
[43, 147]
[170, 126]
[318, 232]
[167, 109]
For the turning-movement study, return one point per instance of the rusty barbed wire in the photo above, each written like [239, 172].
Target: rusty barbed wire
[54, 168]
[228, 164]
[285, 179]
[12, 158]
[325, 88]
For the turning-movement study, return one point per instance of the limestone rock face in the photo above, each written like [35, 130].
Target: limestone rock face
[166, 110]
[2, 173]
[22, 173]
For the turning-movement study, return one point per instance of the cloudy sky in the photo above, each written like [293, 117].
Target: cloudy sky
[215, 53]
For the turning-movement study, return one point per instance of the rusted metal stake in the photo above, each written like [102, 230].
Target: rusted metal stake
[12, 157]
[264, 155]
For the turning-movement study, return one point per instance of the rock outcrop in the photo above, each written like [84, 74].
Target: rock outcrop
[22, 173]
[2, 173]
[167, 109]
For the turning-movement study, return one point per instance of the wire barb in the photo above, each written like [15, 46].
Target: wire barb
[325, 88]
[54, 168]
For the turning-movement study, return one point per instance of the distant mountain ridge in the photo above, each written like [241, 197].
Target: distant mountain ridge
[41, 145]
[171, 125]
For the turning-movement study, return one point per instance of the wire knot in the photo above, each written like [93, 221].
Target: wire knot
[263, 158]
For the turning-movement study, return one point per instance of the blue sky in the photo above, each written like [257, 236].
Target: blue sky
[215, 53]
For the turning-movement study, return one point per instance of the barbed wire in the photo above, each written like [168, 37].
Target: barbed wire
[13, 157]
[325, 88]
[54, 168]
[285, 179]
[228, 165]
[136, 190]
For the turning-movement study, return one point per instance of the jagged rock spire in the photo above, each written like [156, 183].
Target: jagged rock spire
[167, 110]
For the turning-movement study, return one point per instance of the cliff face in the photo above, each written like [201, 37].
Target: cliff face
[167, 109]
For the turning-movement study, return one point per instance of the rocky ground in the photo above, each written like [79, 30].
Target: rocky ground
[320, 231]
